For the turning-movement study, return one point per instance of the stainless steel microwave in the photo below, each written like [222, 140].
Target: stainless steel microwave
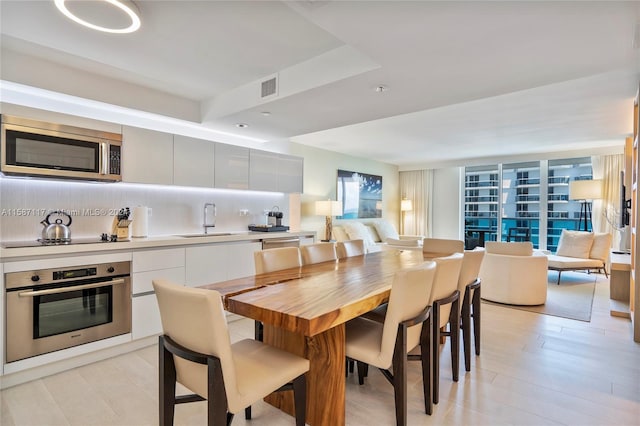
[41, 149]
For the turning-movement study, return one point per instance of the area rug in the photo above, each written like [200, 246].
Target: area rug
[571, 299]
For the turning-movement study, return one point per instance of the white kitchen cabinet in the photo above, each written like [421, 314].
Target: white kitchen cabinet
[263, 170]
[213, 263]
[231, 166]
[147, 156]
[270, 171]
[305, 241]
[290, 173]
[149, 265]
[145, 316]
[193, 162]
[149, 260]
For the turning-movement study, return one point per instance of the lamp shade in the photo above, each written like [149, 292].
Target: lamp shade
[585, 189]
[329, 208]
[406, 205]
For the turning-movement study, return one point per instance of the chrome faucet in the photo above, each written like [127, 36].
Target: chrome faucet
[206, 214]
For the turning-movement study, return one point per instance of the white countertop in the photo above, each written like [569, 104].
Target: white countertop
[15, 253]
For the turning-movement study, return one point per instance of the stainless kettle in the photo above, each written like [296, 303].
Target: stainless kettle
[56, 231]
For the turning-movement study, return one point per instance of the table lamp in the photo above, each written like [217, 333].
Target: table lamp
[585, 191]
[328, 208]
[406, 205]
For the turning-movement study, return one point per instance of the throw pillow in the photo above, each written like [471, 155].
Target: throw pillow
[386, 230]
[575, 244]
[357, 231]
[601, 246]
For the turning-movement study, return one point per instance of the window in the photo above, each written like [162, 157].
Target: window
[511, 199]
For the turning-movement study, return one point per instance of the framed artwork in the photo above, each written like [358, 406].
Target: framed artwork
[360, 193]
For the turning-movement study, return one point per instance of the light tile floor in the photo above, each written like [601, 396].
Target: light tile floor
[534, 370]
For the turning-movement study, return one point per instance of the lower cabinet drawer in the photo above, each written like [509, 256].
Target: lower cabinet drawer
[145, 316]
[142, 282]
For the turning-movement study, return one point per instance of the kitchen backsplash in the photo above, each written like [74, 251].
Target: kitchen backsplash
[174, 210]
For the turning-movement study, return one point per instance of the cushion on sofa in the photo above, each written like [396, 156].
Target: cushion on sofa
[524, 248]
[372, 232]
[601, 246]
[339, 234]
[385, 230]
[562, 262]
[575, 244]
[357, 231]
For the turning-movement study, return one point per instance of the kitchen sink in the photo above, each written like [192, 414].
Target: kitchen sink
[211, 234]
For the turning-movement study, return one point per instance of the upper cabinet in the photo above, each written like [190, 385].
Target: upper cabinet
[162, 158]
[263, 171]
[193, 162]
[270, 171]
[147, 156]
[231, 167]
[290, 173]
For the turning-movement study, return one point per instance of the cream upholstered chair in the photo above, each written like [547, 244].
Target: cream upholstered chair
[445, 309]
[318, 253]
[385, 345]
[513, 273]
[440, 247]
[196, 352]
[277, 259]
[350, 248]
[469, 288]
[271, 260]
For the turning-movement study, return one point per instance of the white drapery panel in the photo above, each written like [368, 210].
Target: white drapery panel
[417, 186]
[605, 212]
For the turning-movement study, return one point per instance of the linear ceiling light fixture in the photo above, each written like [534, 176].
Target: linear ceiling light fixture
[127, 7]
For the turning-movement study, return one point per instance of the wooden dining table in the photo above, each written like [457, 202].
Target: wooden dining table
[304, 311]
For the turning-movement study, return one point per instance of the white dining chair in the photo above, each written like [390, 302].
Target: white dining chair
[272, 260]
[407, 325]
[469, 288]
[196, 351]
[350, 248]
[318, 253]
[277, 259]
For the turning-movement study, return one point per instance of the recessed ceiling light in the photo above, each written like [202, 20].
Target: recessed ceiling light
[128, 9]
[242, 125]
[265, 113]
[381, 88]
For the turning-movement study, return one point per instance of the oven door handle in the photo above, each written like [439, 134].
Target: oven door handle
[68, 289]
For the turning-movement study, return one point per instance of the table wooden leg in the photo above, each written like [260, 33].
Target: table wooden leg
[325, 379]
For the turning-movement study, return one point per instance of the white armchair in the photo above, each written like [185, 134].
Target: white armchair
[513, 273]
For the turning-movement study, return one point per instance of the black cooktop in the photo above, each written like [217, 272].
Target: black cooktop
[41, 243]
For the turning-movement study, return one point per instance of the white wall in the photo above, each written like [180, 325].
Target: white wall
[175, 210]
[447, 210]
[320, 183]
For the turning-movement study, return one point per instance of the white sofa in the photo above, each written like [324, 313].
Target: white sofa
[513, 273]
[581, 250]
[377, 234]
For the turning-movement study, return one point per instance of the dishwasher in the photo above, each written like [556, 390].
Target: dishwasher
[270, 243]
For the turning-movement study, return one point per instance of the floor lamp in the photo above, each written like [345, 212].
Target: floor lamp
[585, 191]
[328, 209]
[405, 206]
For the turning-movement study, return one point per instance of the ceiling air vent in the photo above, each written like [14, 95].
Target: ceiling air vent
[269, 87]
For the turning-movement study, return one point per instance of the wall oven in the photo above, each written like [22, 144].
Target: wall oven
[53, 309]
[36, 148]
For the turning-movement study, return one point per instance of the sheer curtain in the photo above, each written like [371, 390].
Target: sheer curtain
[417, 186]
[605, 211]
